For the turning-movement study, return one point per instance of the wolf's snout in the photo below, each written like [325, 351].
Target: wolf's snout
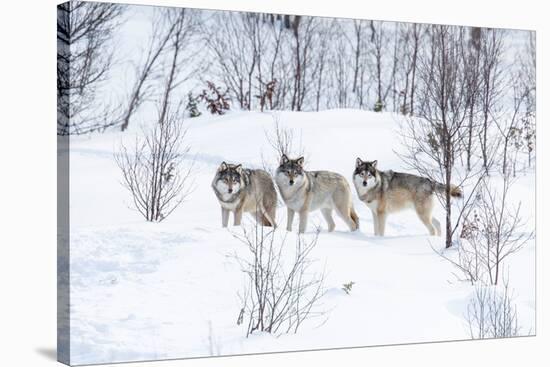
[230, 190]
[291, 182]
[364, 183]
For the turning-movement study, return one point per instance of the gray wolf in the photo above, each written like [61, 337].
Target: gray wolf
[305, 191]
[245, 190]
[386, 192]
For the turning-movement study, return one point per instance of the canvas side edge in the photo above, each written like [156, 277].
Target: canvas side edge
[63, 215]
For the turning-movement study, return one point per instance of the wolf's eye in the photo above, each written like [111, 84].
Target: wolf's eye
[362, 174]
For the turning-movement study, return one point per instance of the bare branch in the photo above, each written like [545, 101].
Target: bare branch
[279, 296]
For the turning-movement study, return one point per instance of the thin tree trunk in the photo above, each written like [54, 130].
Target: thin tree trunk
[413, 78]
[357, 55]
[505, 155]
[470, 136]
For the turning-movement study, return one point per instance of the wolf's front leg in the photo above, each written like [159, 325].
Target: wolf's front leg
[238, 216]
[381, 223]
[289, 219]
[303, 221]
[375, 222]
[225, 217]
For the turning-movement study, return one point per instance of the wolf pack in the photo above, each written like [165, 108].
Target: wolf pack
[243, 190]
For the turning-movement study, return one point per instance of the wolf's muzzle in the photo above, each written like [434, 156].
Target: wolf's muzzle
[364, 183]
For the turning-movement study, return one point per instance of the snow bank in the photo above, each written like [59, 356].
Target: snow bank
[169, 290]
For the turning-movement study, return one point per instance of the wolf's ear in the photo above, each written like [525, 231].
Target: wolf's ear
[373, 164]
[223, 166]
[239, 168]
[300, 161]
[284, 159]
[358, 162]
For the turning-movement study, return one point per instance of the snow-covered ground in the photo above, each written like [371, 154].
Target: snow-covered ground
[169, 290]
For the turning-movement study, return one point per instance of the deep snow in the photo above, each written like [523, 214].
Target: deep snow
[168, 290]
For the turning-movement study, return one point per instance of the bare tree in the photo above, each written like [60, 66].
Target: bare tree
[509, 126]
[237, 45]
[184, 29]
[491, 84]
[343, 70]
[529, 66]
[359, 32]
[361, 86]
[84, 59]
[282, 141]
[411, 38]
[432, 141]
[275, 64]
[279, 295]
[322, 59]
[500, 230]
[492, 231]
[472, 56]
[528, 62]
[397, 57]
[162, 34]
[527, 78]
[491, 313]
[468, 259]
[303, 31]
[153, 170]
[379, 58]
[417, 30]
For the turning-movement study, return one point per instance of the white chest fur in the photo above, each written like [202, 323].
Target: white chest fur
[295, 201]
[294, 196]
[373, 205]
[229, 205]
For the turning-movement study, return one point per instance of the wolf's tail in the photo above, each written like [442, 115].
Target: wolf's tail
[354, 218]
[456, 191]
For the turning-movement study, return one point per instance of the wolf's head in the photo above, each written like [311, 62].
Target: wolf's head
[229, 179]
[365, 174]
[291, 171]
